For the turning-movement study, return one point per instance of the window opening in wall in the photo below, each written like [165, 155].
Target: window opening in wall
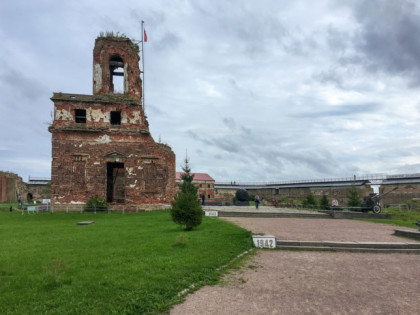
[115, 187]
[116, 118]
[208, 196]
[201, 185]
[208, 185]
[80, 116]
[116, 70]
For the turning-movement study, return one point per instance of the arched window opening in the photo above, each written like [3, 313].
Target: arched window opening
[116, 70]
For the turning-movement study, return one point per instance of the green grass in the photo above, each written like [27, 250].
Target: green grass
[131, 263]
[399, 217]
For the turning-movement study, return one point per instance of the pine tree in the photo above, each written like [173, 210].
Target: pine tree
[324, 202]
[353, 197]
[186, 209]
[310, 200]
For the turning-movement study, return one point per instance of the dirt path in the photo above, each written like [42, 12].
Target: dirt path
[299, 282]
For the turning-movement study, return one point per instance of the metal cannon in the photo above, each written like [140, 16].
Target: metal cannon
[374, 203]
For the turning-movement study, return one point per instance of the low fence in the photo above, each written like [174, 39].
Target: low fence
[81, 208]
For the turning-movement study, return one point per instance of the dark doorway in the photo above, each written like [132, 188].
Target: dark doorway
[115, 187]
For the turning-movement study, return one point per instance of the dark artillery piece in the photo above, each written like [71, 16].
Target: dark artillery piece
[373, 203]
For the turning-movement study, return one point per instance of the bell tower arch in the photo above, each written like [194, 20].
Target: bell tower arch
[116, 67]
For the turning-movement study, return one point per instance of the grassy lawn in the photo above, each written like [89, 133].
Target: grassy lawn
[399, 217]
[123, 263]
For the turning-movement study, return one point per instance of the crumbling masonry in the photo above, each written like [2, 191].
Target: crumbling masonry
[101, 144]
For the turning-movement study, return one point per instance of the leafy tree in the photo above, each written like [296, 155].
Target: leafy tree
[324, 202]
[186, 210]
[353, 197]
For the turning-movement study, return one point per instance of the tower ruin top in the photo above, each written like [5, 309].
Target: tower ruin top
[116, 60]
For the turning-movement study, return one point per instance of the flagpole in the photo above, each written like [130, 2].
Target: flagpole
[142, 59]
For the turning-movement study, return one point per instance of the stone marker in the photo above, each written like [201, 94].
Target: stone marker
[85, 222]
[211, 213]
[264, 241]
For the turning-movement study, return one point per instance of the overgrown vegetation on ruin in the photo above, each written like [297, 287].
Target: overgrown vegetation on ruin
[132, 263]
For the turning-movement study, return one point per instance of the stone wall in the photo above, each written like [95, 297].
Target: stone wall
[39, 192]
[403, 193]
[12, 187]
[292, 195]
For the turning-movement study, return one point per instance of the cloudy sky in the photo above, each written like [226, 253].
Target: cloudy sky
[256, 91]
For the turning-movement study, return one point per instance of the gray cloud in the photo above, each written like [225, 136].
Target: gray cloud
[388, 40]
[256, 91]
[347, 110]
[22, 85]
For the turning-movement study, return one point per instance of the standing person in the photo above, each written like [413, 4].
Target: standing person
[257, 201]
[203, 199]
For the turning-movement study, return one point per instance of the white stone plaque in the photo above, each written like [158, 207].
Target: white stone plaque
[264, 241]
[211, 213]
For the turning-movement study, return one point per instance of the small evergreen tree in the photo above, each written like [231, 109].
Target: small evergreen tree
[186, 210]
[310, 200]
[353, 197]
[324, 202]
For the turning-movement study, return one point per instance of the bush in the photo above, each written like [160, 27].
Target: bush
[242, 195]
[96, 204]
[186, 209]
[324, 203]
[367, 204]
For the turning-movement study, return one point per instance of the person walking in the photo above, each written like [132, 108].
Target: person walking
[257, 201]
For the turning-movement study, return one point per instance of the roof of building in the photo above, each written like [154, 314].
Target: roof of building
[197, 176]
[39, 180]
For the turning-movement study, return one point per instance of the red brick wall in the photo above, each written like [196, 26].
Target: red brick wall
[81, 151]
[3, 188]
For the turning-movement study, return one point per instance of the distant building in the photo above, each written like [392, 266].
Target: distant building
[204, 182]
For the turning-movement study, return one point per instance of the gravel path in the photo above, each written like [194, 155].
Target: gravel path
[299, 282]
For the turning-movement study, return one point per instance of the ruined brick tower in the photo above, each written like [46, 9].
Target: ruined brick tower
[101, 144]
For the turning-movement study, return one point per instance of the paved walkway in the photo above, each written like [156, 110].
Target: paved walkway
[336, 230]
[307, 282]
